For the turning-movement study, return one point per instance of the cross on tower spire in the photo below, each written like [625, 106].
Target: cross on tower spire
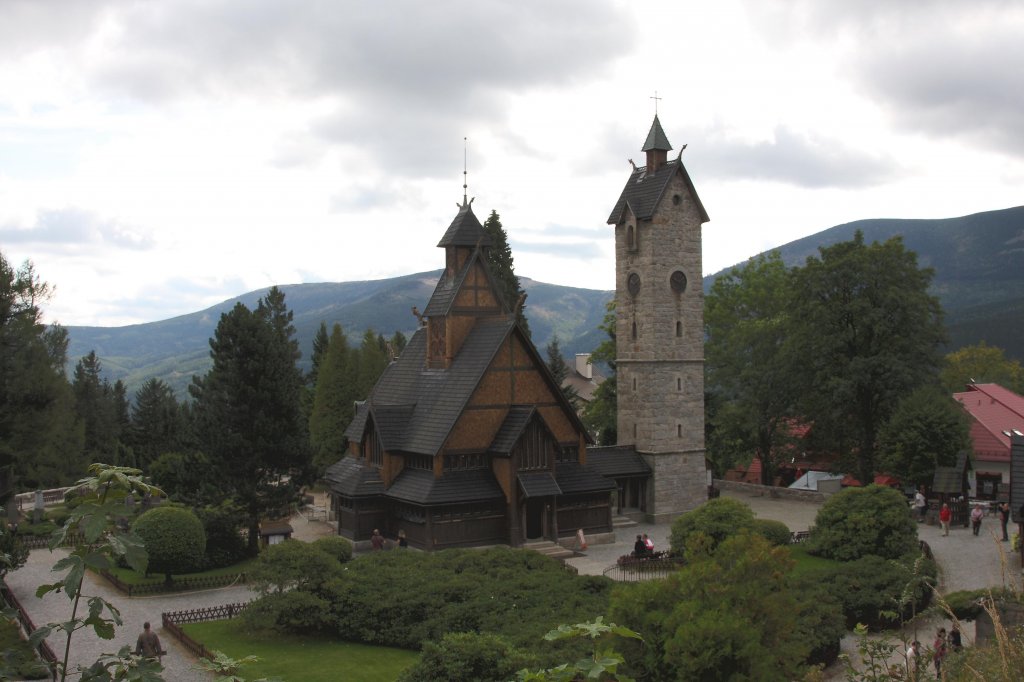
[464, 174]
[655, 98]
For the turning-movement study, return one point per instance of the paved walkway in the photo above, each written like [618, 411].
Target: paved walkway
[86, 647]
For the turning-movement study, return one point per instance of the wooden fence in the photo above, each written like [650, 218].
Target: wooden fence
[43, 541]
[172, 619]
[43, 648]
[630, 569]
[179, 584]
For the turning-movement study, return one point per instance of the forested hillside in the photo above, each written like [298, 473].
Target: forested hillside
[979, 279]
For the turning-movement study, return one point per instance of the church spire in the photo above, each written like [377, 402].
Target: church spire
[657, 146]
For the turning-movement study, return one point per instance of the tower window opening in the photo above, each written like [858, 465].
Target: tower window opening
[634, 383]
[677, 199]
[679, 383]
[679, 328]
[631, 237]
[679, 430]
[634, 430]
[634, 330]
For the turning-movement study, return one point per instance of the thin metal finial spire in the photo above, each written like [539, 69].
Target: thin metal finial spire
[655, 98]
[464, 174]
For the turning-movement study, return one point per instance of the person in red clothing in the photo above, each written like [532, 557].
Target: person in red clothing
[944, 516]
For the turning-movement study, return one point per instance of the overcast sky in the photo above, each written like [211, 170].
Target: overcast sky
[159, 157]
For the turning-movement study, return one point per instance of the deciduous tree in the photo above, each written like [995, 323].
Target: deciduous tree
[750, 365]
[927, 430]
[867, 333]
[981, 364]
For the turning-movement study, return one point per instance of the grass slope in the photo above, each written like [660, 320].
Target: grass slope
[302, 659]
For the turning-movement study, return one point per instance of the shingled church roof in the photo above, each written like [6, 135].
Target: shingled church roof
[656, 138]
[465, 230]
[644, 190]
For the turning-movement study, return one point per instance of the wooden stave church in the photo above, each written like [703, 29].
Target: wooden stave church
[501, 501]
[467, 439]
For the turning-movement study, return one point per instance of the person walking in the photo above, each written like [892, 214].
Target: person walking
[1004, 518]
[148, 644]
[976, 515]
[377, 540]
[945, 514]
[939, 650]
[920, 504]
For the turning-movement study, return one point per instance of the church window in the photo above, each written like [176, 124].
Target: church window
[634, 430]
[633, 284]
[677, 280]
[425, 462]
[677, 199]
[535, 448]
[679, 328]
[631, 237]
[568, 453]
[634, 383]
[679, 430]
[464, 461]
[634, 330]
[679, 384]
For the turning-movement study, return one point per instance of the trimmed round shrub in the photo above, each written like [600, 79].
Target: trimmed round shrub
[292, 565]
[858, 522]
[336, 546]
[174, 540]
[775, 532]
[870, 587]
[293, 611]
[717, 519]
[467, 656]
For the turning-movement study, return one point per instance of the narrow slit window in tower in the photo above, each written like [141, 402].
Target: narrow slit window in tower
[679, 328]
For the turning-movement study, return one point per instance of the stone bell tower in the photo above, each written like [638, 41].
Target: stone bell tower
[660, 327]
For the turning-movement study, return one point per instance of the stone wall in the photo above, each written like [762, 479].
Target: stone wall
[755, 489]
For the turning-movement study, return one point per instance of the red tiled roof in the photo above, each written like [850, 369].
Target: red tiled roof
[993, 409]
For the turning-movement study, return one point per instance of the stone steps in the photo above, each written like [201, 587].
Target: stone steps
[622, 522]
[549, 548]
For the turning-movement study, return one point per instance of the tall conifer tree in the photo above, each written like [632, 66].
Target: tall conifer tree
[248, 416]
[502, 267]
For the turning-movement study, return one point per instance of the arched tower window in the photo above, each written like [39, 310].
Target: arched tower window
[679, 328]
[631, 237]
[633, 333]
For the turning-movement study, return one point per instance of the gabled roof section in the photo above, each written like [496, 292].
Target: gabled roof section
[351, 477]
[644, 190]
[656, 138]
[465, 230]
[358, 423]
[952, 479]
[444, 295]
[421, 487]
[618, 460]
[428, 402]
[994, 410]
[512, 428]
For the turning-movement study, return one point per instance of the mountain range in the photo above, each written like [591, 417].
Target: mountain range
[979, 278]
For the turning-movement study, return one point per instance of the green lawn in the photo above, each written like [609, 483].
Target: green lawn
[807, 564]
[130, 577]
[302, 659]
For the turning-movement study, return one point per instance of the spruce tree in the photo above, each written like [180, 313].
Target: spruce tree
[499, 258]
[333, 402]
[560, 370]
[156, 422]
[40, 444]
[247, 409]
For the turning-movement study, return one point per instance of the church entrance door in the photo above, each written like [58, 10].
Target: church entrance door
[534, 518]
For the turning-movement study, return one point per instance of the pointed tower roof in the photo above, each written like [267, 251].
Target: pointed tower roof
[465, 230]
[656, 138]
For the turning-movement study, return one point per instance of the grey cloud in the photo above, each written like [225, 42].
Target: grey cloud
[72, 228]
[955, 87]
[801, 160]
[409, 78]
